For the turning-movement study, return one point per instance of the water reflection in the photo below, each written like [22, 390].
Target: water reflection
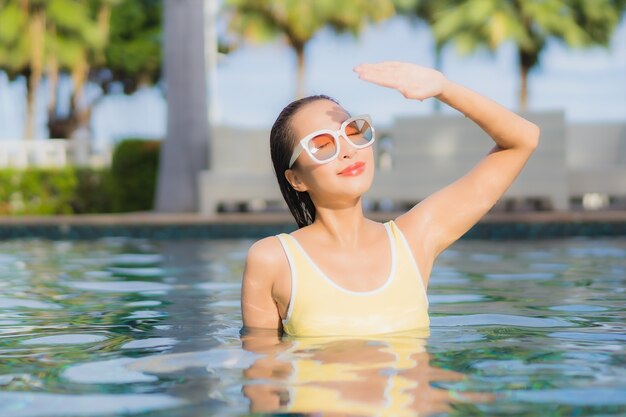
[385, 375]
[131, 327]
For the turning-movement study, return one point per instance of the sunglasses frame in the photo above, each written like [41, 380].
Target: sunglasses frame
[334, 133]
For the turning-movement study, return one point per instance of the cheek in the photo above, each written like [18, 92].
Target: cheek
[313, 174]
[367, 155]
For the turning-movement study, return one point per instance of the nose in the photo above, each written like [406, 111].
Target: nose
[346, 150]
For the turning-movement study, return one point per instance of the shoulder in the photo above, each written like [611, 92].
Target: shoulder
[266, 259]
[414, 224]
[266, 251]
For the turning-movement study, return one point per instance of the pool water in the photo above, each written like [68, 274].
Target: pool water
[136, 327]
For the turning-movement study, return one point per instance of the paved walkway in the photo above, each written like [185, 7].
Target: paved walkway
[537, 225]
[149, 218]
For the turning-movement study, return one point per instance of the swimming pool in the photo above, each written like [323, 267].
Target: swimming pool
[121, 326]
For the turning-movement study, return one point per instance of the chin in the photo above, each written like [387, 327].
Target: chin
[357, 186]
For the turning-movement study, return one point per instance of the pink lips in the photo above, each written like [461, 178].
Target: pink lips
[354, 169]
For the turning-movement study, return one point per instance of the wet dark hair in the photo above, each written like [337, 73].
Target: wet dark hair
[282, 143]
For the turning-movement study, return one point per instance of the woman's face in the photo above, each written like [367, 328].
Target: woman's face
[344, 178]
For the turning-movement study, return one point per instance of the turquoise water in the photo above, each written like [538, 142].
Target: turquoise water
[134, 327]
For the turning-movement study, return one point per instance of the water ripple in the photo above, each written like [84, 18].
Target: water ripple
[120, 286]
[113, 371]
[155, 342]
[498, 320]
[590, 337]
[17, 302]
[65, 339]
[23, 404]
[136, 259]
[578, 307]
[454, 298]
[521, 276]
[137, 272]
[574, 396]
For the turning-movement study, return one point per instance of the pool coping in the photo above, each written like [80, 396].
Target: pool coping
[521, 225]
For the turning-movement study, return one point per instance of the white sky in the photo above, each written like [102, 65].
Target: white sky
[256, 82]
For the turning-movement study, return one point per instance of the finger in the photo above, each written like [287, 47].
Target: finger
[382, 64]
[371, 68]
[380, 79]
[376, 70]
[388, 70]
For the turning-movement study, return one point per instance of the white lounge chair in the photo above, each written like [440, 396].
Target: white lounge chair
[596, 159]
[425, 154]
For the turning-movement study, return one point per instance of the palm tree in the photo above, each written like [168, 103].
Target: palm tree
[76, 36]
[98, 41]
[23, 39]
[298, 21]
[529, 24]
[34, 34]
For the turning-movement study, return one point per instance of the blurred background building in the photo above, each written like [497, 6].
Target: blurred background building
[92, 70]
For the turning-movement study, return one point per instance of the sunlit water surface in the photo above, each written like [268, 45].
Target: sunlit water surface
[134, 327]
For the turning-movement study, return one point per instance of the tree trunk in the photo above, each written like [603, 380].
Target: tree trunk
[53, 81]
[36, 32]
[185, 150]
[523, 92]
[53, 84]
[79, 78]
[300, 87]
[527, 60]
[79, 114]
[104, 19]
[438, 67]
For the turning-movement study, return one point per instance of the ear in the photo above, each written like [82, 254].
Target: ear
[294, 179]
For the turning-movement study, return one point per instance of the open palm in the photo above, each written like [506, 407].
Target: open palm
[411, 80]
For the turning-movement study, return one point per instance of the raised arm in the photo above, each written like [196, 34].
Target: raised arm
[442, 218]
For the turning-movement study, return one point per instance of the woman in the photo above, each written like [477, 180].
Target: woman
[341, 273]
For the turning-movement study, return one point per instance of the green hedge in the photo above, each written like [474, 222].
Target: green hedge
[134, 174]
[37, 191]
[94, 191]
[129, 185]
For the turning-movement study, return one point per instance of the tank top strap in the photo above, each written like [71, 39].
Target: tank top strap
[290, 251]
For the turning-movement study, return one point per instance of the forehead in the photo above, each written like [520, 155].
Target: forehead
[319, 114]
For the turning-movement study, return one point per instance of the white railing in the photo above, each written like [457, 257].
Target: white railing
[49, 153]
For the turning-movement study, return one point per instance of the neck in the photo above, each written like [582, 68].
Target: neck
[343, 224]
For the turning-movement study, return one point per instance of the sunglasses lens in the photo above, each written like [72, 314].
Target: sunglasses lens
[323, 147]
[360, 132]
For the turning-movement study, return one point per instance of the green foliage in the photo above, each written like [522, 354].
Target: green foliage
[129, 185]
[91, 40]
[133, 53]
[36, 191]
[474, 24]
[133, 174]
[93, 192]
[13, 48]
[299, 21]
[70, 33]
[529, 24]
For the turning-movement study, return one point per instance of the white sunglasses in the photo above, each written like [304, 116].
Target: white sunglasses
[323, 145]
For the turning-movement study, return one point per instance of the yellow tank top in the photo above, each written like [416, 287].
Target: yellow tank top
[320, 307]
